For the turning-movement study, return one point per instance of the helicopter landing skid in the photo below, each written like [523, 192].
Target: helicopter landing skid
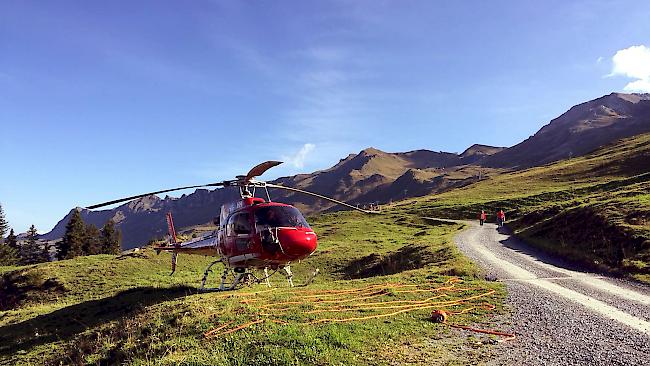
[243, 278]
[223, 286]
[289, 275]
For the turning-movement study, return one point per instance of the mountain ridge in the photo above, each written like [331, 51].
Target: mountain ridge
[373, 175]
[581, 129]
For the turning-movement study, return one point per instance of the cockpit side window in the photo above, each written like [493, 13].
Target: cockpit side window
[279, 216]
[238, 223]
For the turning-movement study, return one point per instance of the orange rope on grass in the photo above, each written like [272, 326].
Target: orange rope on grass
[207, 334]
[212, 334]
[357, 302]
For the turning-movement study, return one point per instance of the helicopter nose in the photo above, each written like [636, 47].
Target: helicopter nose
[297, 242]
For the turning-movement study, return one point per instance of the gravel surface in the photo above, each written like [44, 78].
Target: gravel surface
[561, 316]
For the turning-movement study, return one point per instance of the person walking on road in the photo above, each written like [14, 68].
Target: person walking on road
[501, 218]
[482, 217]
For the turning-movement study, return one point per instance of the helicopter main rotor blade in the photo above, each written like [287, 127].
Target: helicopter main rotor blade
[271, 185]
[150, 193]
[259, 169]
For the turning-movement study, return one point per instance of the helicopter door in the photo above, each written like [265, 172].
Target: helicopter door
[239, 232]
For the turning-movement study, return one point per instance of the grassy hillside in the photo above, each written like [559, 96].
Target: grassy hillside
[381, 276]
[593, 209]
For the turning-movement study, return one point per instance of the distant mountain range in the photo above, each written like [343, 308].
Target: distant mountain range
[373, 175]
[580, 130]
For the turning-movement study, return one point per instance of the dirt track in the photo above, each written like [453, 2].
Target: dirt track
[562, 316]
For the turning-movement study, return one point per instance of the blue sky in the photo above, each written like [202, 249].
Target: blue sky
[104, 99]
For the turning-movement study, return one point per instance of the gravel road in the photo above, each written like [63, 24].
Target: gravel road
[561, 316]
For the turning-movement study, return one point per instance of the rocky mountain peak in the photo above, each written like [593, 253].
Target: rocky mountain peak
[147, 203]
[581, 129]
[481, 150]
[371, 151]
[632, 98]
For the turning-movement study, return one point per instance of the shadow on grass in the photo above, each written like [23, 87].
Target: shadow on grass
[406, 258]
[520, 246]
[67, 322]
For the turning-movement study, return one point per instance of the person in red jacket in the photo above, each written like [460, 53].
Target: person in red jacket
[501, 218]
[482, 217]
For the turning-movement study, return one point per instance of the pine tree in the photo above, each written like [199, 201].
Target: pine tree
[31, 250]
[45, 254]
[111, 239]
[8, 255]
[12, 240]
[73, 240]
[92, 241]
[3, 225]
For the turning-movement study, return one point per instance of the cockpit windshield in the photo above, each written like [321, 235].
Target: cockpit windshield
[280, 216]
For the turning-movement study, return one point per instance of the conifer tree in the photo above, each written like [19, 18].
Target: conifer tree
[45, 254]
[31, 250]
[12, 240]
[73, 240]
[111, 239]
[4, 226]
[8, 255]
[92, 242]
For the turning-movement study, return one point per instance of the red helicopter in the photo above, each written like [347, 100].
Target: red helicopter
[252, 233]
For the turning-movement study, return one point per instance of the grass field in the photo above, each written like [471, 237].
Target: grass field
[388, 272]
[381, 276]
[593, 209]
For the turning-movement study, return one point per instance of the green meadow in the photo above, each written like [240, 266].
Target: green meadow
[380, 278]
[388, 271]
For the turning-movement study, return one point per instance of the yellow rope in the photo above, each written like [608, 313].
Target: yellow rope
[322, 300]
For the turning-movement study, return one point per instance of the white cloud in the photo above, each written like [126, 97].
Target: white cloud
[298, 160]
[638, 86]
[634, 63]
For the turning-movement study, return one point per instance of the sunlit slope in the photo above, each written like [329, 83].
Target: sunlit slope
[387, 271]
[594, 209]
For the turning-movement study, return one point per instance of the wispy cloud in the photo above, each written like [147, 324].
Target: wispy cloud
[326, 54]
[323, 78]
[634, 63]
[331, 96]
[323, 92]
[298, 159]
[325, 86]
